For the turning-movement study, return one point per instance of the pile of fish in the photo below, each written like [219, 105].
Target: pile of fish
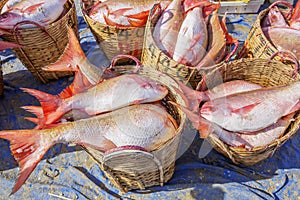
[188, 33]
[241, 113]
[27, 14]
[118, 110]
[282, 28]
[123, 13]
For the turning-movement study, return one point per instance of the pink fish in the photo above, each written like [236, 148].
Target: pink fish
[295, 18]
[167, 27]
[284, 39]
[109, 95]
[274, 18]
[192, 38]
[39, 12]
[147, 126]
[253, 110]
[260, 138]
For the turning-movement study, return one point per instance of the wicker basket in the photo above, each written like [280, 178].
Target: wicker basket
[257, 45]
[154, 57]
[114, 40]
[265, 73]
[41, 49]
[134, 168]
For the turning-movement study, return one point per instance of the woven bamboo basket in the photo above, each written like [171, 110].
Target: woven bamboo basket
[41, 49]
[134, 168]
[263, 72]
[257, 45]
[115, 40]
[154, 57]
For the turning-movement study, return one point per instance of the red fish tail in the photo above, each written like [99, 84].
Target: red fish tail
[27, 149]
[50, 105]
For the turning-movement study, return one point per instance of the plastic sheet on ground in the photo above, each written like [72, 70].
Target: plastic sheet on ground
[68, 172]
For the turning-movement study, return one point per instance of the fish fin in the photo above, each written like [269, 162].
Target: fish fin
[32, 119]
[33, 8]
[137, 23]
[141, 16]
[36, 110]
[112, 23]
[27, 150]
[119, 12]
[9, 45]
[245, 109]
[50, 104]
[72, 56]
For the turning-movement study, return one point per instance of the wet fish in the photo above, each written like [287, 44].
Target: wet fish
[123, 13]
[295, 18]
[274, 18]
[253, 110]
[147, 126]
[167, 27]
[284, 39]
[192, 38]
[40, 12]
[260, 138]
[109, 95]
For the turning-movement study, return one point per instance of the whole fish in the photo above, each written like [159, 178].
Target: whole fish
[123, 13]
[147, 126]
[253, 110]
[194, 97]
[284, 39]
[40, 12]
[109, 95]
[260, 138]
[192, 38]
[167, 27]
[274, 18]
[216, 43]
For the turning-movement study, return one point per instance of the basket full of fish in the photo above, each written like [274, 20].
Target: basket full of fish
[39, 30]
[121, 116]
[185, 38]
[118, 26]
[276, 32]
[249, 109]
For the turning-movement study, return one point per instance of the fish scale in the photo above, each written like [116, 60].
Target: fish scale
[254, 110]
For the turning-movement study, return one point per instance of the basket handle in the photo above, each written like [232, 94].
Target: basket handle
[117, 57]
[288, 14]
[17, 33]
[123, 150]
[290, 55]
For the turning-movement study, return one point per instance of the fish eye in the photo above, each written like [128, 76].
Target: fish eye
[3, 16]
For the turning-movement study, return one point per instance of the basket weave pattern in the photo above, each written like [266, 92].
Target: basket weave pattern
[262, 72]
[130, 169]
[41, 49]
[257, 45]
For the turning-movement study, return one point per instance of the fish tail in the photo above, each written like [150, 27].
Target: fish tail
[51, 106]
[7, 45]
[27, 149]
[72, 56]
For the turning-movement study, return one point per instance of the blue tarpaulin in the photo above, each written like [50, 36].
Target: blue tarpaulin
[68, 172]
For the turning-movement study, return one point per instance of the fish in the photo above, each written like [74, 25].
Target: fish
[123, 13]
[9, 5]
[8, 45]
[114, 93]
[146, 125]
[284, 39]
[253, 110]
[192, 38]
[167, 27]
[274, 18]
[73, 59]
[295, 18]
[38, 12]
[195, 97]
[260, 138]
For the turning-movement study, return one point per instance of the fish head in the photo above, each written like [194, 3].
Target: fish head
[148, 90]
[9, 19]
